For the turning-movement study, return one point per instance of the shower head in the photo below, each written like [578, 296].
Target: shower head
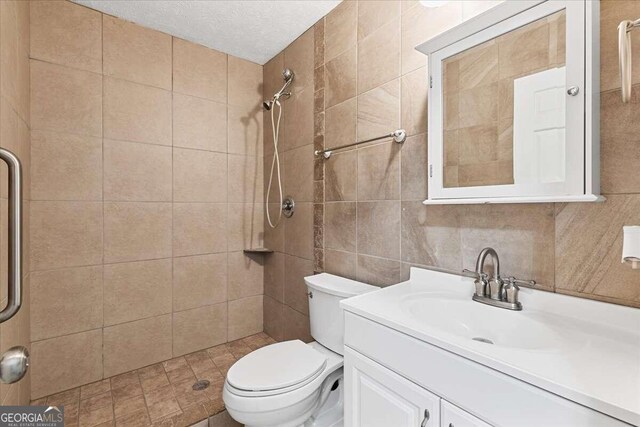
[288, 77]
[268, 104]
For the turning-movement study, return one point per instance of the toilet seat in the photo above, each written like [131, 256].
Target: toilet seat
[276, 369]
[288, 407]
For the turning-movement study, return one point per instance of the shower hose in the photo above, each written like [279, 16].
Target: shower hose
[275, 164]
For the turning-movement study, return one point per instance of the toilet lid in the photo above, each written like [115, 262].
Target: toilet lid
[276, 366]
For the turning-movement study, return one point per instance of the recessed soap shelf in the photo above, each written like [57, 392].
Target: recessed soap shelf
[257, 251]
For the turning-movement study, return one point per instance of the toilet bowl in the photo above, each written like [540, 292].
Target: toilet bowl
[290, 383]
[257, 403]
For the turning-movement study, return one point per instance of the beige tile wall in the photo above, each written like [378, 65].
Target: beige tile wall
[147, 166]
[15, 123]
[286, 314]
[374, 226]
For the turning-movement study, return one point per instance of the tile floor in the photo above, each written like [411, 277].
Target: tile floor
[156, 395]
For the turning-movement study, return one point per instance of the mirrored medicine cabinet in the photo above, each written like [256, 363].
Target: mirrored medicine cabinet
[513, 108]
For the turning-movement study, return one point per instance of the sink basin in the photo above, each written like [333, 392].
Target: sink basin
[487, 325]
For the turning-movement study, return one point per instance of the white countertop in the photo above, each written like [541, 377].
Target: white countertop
[594, 359]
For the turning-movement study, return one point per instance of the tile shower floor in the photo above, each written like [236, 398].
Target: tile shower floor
[159, 394]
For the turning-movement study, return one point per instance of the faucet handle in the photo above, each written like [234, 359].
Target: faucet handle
[510, 290]
[525, 283]
[470, 273]
[481, 282]
[475, 275]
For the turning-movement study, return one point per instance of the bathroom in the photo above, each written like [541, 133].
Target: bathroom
[177, 195]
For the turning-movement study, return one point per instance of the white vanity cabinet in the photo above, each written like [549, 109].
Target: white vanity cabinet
[391, 378]
[378, 397]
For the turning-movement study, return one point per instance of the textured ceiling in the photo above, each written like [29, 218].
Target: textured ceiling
[256, 30]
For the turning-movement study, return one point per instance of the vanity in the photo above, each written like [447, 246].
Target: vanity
[423, 353]
[513, 118]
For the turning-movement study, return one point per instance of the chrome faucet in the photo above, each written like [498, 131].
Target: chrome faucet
[493, 290]
[495, 284]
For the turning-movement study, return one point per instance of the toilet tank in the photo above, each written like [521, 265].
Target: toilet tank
[325, 314]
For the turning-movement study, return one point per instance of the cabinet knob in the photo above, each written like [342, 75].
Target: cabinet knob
[573, 91]
[451, 425]
[426, 418]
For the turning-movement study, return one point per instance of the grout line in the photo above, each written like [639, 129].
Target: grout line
[103, 177]
[226, 332]
[129, 262]
[554, 211]
[68, 66]
[104, 201]
[16, 113]
[57, 132]
[357, 154]
[103, 73]
[172, 198]
[399, 154]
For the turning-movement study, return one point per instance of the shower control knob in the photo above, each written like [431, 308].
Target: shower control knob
[288, 206]
[573, 90]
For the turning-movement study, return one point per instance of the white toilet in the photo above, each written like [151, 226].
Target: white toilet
[291, 384]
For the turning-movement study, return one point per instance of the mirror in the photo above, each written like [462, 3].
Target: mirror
[510, 110]
[480, 107]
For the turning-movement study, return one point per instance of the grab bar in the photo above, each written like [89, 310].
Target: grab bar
[398, 136]
[14, 293]
[624, 53]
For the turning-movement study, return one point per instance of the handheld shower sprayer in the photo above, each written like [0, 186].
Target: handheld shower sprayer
[270, 105]
[288, 77]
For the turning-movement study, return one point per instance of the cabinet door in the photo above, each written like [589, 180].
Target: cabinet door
[378, 397]
[452, 416]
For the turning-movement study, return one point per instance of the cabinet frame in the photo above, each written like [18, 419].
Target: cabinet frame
[358, 366]
[582, 111]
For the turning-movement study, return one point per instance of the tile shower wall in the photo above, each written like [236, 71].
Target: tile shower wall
[374, 224]
[286, 309]
[14, 136]
[147, 178]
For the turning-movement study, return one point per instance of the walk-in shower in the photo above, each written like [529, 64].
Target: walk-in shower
[284, 206]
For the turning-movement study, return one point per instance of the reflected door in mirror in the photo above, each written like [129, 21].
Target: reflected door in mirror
[504, 109]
